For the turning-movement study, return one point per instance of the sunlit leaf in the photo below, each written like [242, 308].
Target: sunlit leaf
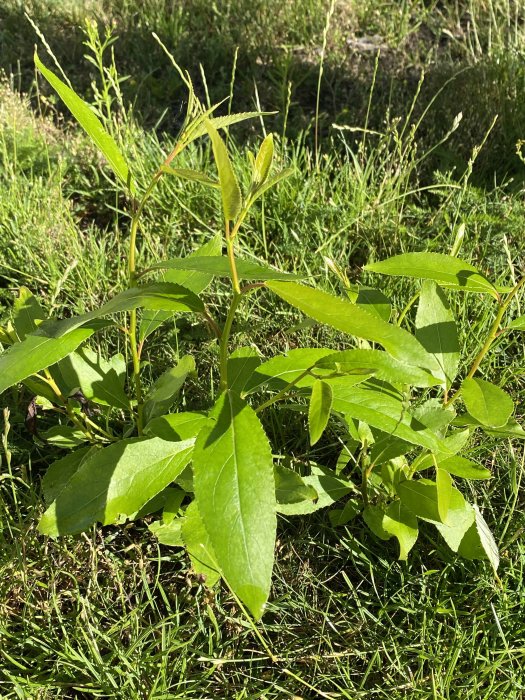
[235, 492]
[91, 124]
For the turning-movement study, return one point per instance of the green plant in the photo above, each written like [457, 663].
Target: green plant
[214, 474]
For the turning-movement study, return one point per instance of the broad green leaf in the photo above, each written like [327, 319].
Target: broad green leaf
[511, 428]
[421, 498]
[478, 542]
[230, 190]
[319, 409]
[374, 301]
[193, 280]
[434, 415]
[290, 487]
[219, 266]
[173, 501]
[436, 330]
[458, 466]
[91, 124]
[59, 473]
[37, 352]
[169, 534]
[346, 456]
[445, 269]
[353, 319]
[165, 390]
[518, 324]
[373, 517]
[27, 313]
[402, 524]
[176, 426]
[235, 492]
[460, 517]
[384, 411]
[99, 380]
[342, 516]
[199, 545]
[263, 162]
[444, 493]
[393, 473]
[382, 365]
[387, 447]
[188, 174]
[158, 295]
[115, 482]
[64, 436]
[329, 488]
[168, 500]
[486, 402]
[242, 363]
[283, 369]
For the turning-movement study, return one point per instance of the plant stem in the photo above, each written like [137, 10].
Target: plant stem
[236, 298]
[63, 401]
[133, 318]
[225, 337]
[132, 278]
[493, 334]
[282, 394]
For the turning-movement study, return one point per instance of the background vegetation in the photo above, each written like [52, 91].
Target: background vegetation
[401, 120]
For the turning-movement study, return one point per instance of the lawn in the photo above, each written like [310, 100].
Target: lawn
[402, 123]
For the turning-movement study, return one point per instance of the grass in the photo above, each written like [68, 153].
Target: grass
[112, 614]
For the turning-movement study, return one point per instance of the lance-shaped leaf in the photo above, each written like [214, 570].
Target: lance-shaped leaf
[115, 482]
[449, 271]
[350, 318]
[263, 162]
[199, 546]
[230, 190]
[200, 126]
[458, 466]
[380, 364]
[290, 487]
[218, 266]
[194, 280]
[61, 471]
[37, 352]
[269, 183]
[165, 390]
[460, 517]
[242, 363]
[283, 369]
[193, 175]
[235, 492]
[328, 487]
[176, 426]
[158, 295]
[373, 517]
[27, 313]
[91, 124]
[385, 411]
[436, 330]
[486, 402]
[518, 324]
[421, 498]
[444, 493]
[478, 542]
[319, 409]
[99, 380]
